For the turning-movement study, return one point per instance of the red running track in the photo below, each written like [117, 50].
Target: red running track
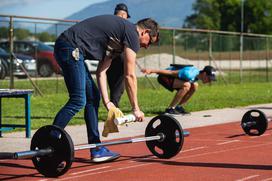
[220, 152]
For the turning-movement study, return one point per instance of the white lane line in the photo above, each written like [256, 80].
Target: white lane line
[221, 151]
[193, 149]
[90, 170]
[105, 171]
[267, 179]
[248, 178]
[208, 140]
[176, 158]
[227, 142]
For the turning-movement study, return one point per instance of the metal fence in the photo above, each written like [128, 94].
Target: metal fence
[238, 57]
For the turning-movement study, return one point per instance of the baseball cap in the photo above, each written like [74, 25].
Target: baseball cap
[210, 71]
[122, 7]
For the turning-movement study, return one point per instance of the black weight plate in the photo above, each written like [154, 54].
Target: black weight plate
[254, 123]
[60, 160]
[171, 129]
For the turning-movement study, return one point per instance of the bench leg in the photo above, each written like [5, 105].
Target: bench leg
[27, 116]
[0, 117]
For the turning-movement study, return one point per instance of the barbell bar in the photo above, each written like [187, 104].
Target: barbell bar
[26, 154]
[159, 137]
[52, 149]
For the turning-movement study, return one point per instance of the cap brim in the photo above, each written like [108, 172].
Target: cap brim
[212, 78]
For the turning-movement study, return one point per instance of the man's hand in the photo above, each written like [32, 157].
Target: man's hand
[139, 115]
[109, 105]
[146, 71]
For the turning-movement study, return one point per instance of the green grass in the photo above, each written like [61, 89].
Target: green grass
[152, 102]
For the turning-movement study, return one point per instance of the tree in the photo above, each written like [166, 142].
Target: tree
[206, 15]
[45, 36]
[258, 16]
[226, 15]
[21, 34]
[4, 33]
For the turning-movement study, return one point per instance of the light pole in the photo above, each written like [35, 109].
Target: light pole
[242, 16]
[241, 40]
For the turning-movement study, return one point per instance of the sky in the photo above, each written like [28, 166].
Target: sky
[58, 9]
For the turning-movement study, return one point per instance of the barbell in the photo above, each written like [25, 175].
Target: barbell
[254, 122]
[52, 149]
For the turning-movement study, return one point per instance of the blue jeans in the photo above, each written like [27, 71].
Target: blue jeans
[82, 90]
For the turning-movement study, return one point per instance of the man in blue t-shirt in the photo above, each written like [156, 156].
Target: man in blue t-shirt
[184, 80]
[100, 38]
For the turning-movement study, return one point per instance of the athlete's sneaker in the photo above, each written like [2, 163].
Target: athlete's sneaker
[171, 111]
[181, 110]
[102, 154]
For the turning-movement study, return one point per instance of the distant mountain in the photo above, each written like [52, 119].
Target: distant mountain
[171, 13]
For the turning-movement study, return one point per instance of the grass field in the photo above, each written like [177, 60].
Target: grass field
[152, 101]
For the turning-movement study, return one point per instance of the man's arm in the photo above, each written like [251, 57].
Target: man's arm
[102, 80]
[131, 82]
[173, 73]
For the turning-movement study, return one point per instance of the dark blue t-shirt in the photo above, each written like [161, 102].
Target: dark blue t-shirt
[92, 35]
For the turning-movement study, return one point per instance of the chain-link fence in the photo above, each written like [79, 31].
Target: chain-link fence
[237, 57]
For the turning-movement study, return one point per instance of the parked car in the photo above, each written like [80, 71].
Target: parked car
[50, 43]
[28, 62]
[44, 54]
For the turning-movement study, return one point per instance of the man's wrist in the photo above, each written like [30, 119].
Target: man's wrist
[136, 109]
[107, 103]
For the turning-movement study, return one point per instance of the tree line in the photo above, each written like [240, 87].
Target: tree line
[225, 15]
[22, 34]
